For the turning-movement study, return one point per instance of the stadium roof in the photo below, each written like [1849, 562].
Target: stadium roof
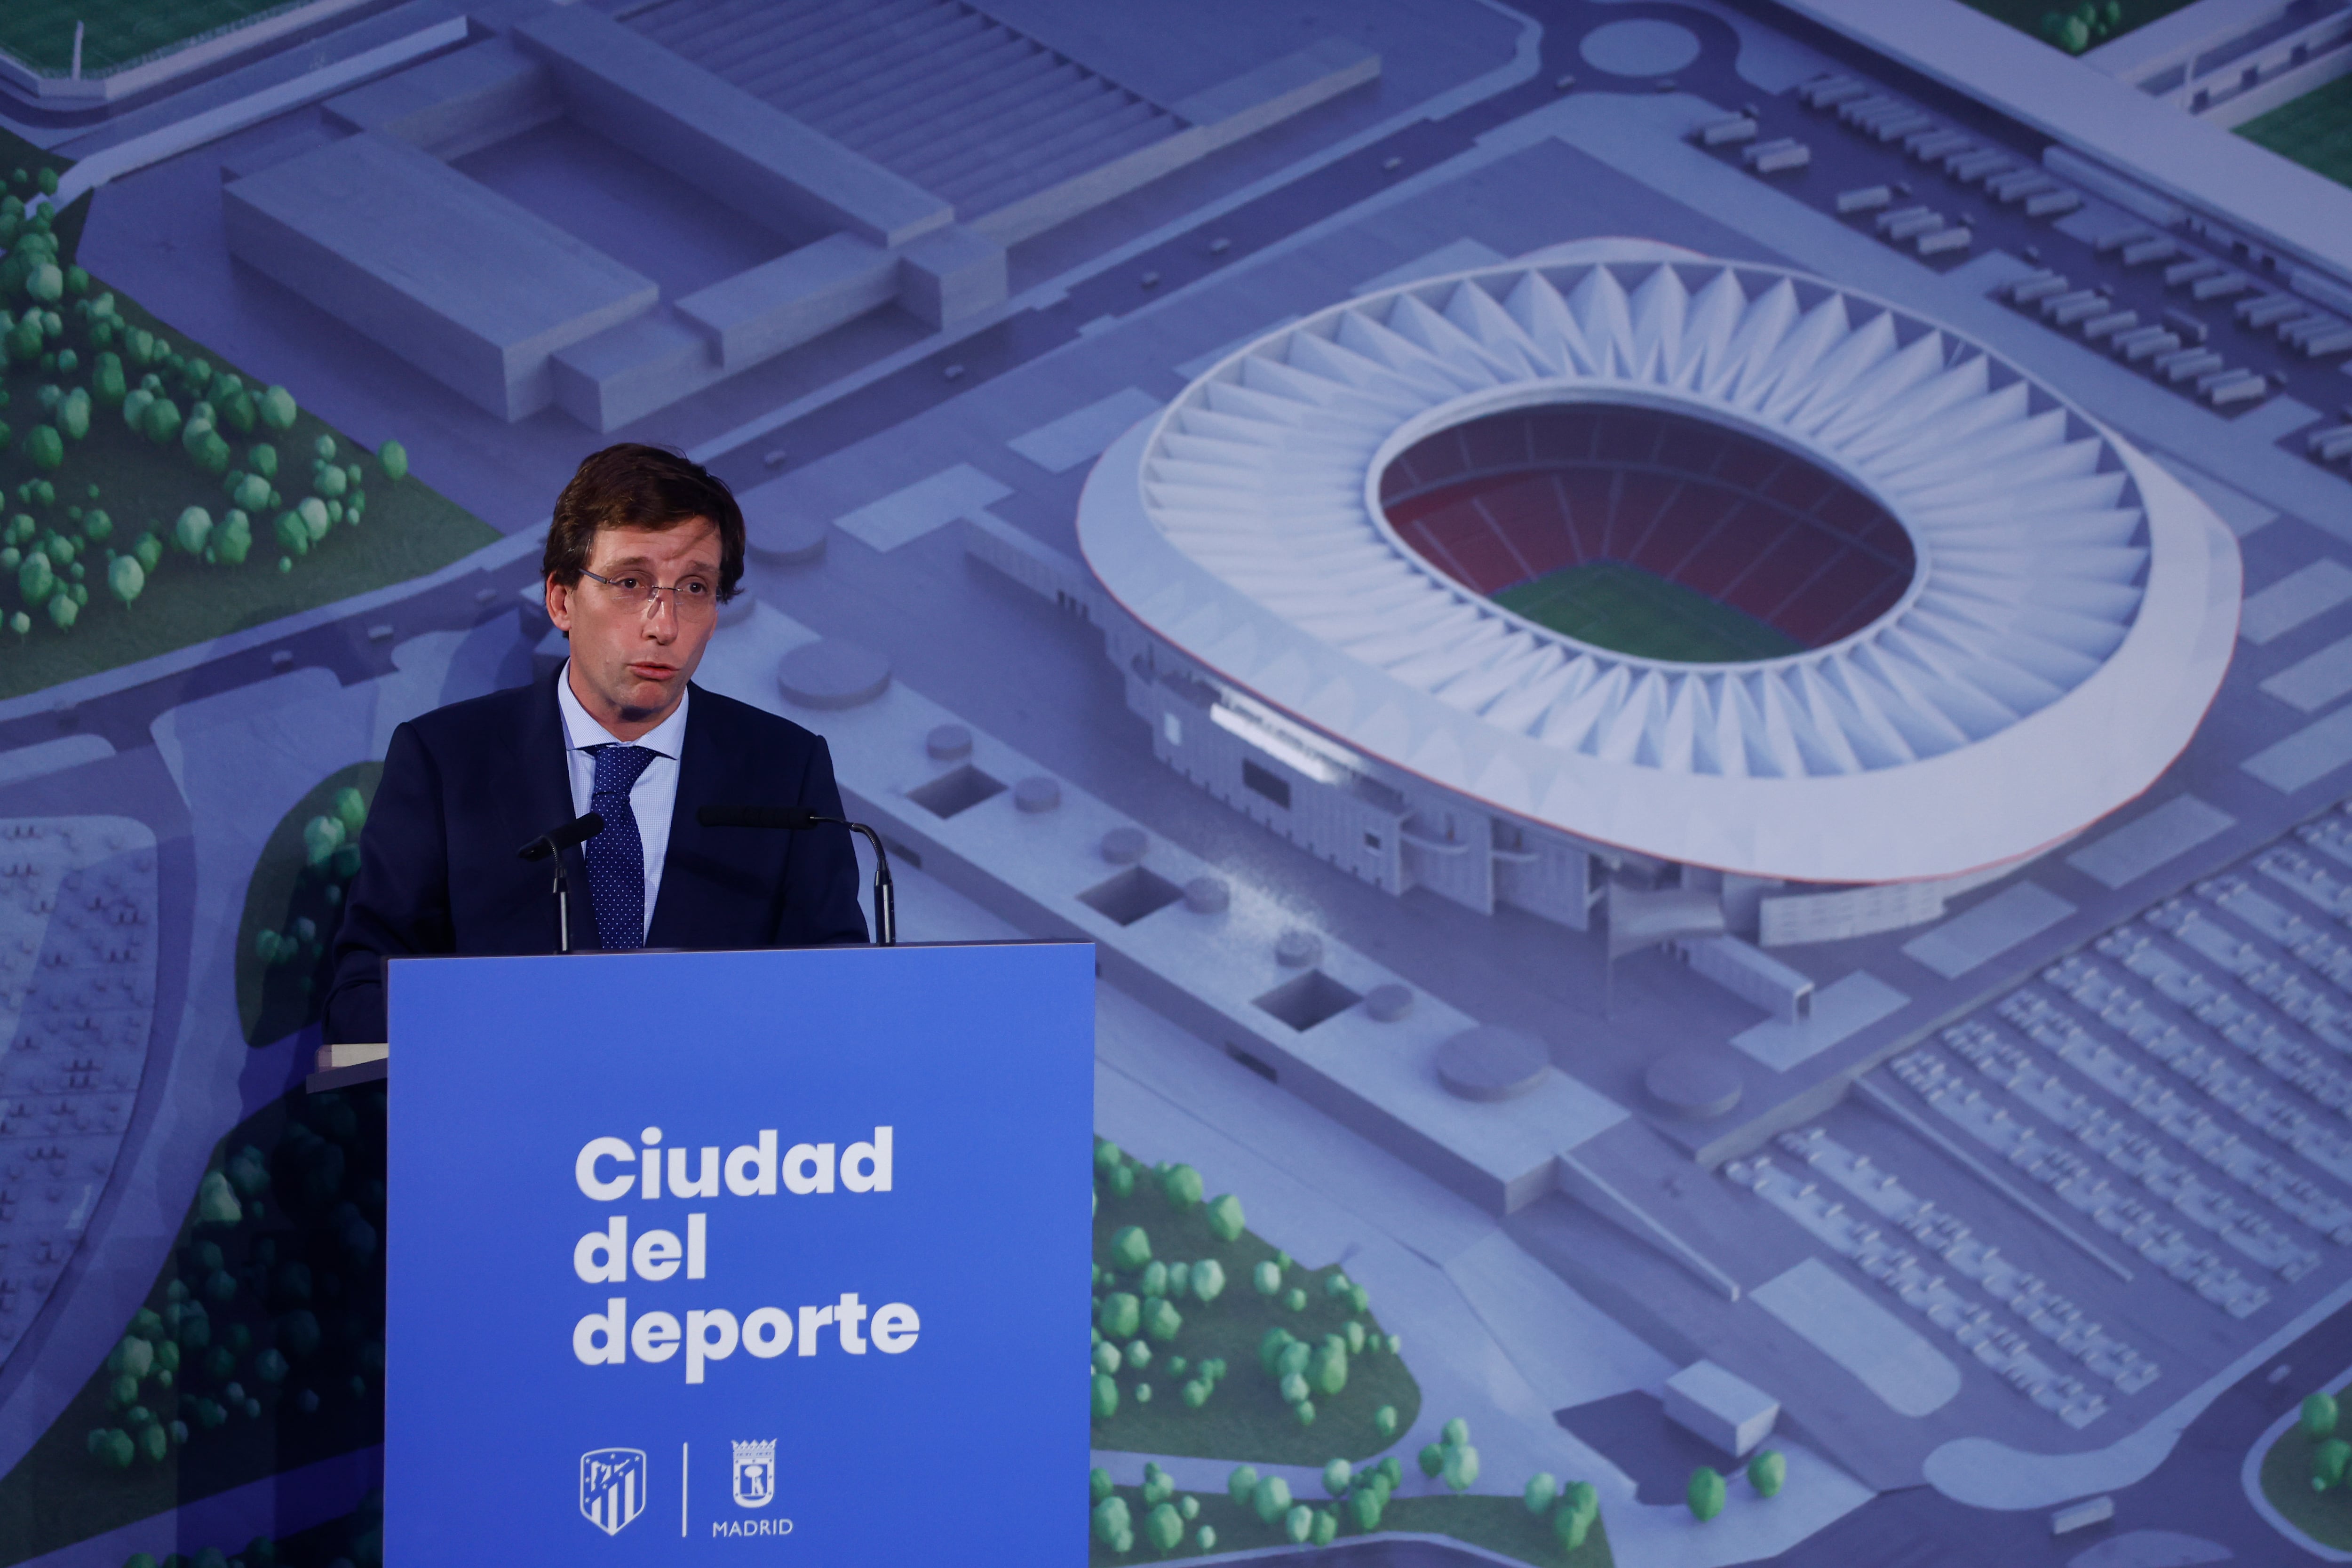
[2073, 613]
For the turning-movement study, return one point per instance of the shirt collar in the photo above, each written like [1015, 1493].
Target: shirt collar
[581, 731]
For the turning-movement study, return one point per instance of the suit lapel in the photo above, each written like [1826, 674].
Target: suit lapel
[540, 797]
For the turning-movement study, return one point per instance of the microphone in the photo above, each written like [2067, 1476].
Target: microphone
[579, 830]
[554, 841]
[795, 818]
[790, 818]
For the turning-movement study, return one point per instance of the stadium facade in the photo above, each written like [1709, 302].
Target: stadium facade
[1624, 557]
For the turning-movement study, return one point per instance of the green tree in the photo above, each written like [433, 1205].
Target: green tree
[1225, 1215]
[1431, 1459]
[1121, 1317]
[1569, 1526]
[1327, 1372]
[1098, 1484]
[45, 447]
[1207, 1280]
[1454, 1432]
[160, 420]
[1298, 1524]
[1542, 1490]
[1180, 1184]
[1270, 1498]
[1242, 1485]
[2318, 1418]
[1461, 1469]
[1384, 1421]
[394, 459]
[1164, 1527]
[106, 379]
[73, 414]
[279, 409]
[1111, 1522]
[124, 578]
[1335, 1476]
[235, 539]
[36, 578]
[1267, 1278]
[2328, 1462]
[1705, 1493]
[1326, 1528]
[1130, 1250]
[1162, 1322]
[193, 528]
[1105, 1397]
[1766, 1472]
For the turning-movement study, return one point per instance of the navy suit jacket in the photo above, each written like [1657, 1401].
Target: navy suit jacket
[465, 786]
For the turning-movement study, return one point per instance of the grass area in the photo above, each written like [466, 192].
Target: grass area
[2100, 21]
[41, 31]
[259, 1347]
[1499, 1524]
[1614, 606]
[2314, 131]
[1244, 1417]
[84, 490]
[2326, 1517]
[301, 901]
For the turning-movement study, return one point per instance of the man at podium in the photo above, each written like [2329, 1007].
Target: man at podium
[644, 548]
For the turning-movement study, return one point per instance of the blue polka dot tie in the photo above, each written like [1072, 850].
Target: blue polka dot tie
[617, 857]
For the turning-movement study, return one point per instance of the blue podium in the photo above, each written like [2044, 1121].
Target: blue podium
[685, 1251]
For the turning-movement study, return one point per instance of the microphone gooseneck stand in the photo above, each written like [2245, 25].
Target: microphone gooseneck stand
[551, 844]
[795, 819]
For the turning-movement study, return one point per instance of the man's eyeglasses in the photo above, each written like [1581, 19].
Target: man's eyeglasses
[695, 598]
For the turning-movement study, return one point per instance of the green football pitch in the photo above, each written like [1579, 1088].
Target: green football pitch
[2314, 129]
[1613, 605]
[40, 32]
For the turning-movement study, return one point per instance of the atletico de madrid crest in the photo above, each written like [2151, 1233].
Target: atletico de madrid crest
[611, 1487]
[755, 1474]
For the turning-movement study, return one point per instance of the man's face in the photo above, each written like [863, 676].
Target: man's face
[630, 662]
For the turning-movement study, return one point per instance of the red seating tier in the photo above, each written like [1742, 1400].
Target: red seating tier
[1518, 495]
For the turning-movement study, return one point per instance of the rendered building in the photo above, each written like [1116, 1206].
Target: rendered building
[1852, 587]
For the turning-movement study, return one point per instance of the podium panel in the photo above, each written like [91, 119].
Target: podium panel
[686, 1250]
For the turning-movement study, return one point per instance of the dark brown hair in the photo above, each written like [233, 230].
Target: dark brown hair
[635, 486]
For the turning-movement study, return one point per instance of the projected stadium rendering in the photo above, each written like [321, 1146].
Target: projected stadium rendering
[1622, 546]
